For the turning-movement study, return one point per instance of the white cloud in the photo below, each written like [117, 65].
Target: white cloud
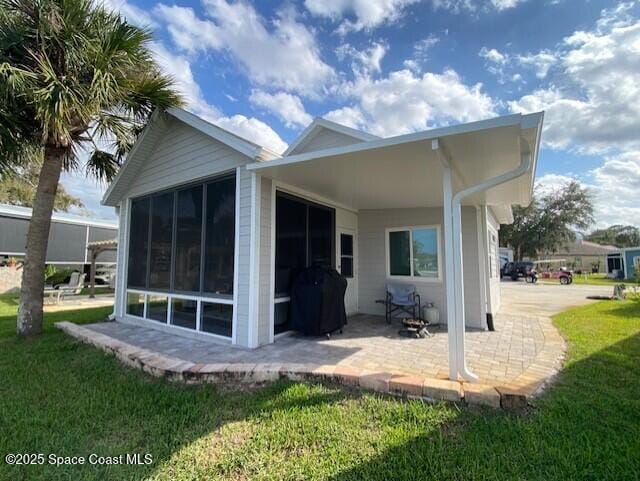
[287, 107]
[617, 184]
[364, 61]
[593, 104]
[285, 56]
[250, 128]
[541, 61]
[405, 101]
[133, 14]
[505, 4]
[493, 55]
[189, 32]
[368, 13]
[349, 116]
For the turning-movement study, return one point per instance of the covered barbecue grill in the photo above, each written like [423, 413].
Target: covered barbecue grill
[317, 301]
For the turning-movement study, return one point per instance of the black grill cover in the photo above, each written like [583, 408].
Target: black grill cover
[317, 301]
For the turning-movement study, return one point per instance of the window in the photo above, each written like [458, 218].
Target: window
[220, 237]
[157, 308]
[138, 243]
[161, 241]
[217, 318]
[135, 304]
[346, 255]
[183, 312]
[414, 252]
[182, 253]
[188, 239]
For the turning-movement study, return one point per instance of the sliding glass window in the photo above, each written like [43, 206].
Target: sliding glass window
[138, 243]
[181, 252]
[188, 240]
[220, 237]
[161, 241]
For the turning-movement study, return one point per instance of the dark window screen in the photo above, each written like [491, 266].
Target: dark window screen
[188, 239]
[320, 237]
[291, 241]
[346, 255]
[161, 236]
[138, 243]
[220, 236]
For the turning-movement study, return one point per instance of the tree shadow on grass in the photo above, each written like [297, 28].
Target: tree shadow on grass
[586, 427]
[61, 397]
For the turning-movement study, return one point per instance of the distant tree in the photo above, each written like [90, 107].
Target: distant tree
[550, 221]
[616, 235]
[18, 187]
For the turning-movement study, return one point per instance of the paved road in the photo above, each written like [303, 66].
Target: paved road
[546, 299]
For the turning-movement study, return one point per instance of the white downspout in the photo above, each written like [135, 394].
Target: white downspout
[456, 211]
[447, 195]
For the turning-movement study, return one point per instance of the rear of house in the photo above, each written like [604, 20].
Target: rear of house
[214, 228]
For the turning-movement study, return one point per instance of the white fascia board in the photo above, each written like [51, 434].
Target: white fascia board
[505, 121]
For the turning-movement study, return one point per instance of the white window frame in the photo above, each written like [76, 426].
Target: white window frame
[411, 228]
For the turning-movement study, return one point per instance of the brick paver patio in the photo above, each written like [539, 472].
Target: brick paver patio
[515, 360]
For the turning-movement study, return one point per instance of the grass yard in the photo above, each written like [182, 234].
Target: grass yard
[59, 396]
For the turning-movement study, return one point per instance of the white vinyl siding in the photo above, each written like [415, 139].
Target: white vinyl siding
[325, 139]
[372, 229]
[265, 287]
[494, 300]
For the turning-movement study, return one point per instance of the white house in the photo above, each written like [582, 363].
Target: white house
[212, 225]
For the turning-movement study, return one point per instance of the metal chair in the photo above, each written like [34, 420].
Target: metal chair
[402, 298]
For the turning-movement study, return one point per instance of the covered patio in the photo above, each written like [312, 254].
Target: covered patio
[425, 180]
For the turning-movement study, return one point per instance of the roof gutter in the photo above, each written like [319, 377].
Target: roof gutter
[456, 208]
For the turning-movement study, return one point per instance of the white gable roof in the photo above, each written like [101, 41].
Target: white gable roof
[334, 135]
[154, 131]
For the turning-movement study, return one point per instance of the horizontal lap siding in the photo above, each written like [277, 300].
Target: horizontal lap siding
[121, 258]
[265, 288]
[494, 282]
[326, 139]
[372, 225]
[183, 155]
[244, 253]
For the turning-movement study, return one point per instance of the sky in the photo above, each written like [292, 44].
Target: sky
[265, 69]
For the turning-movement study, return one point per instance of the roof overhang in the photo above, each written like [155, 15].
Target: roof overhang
[406, 171]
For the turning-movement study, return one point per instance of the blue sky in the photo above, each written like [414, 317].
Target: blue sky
[265, 69]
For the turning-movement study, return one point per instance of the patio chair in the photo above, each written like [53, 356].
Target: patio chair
[73, 287]
[402, 298]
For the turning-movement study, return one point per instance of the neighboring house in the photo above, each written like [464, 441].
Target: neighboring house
[624, 263]
[68, 237]
[213, 227]
[583, 255]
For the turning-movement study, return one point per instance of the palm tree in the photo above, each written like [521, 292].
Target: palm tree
[75, 79]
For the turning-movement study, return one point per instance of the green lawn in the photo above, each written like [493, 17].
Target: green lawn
[59, 396]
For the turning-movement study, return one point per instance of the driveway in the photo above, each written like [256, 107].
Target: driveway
[546, 299]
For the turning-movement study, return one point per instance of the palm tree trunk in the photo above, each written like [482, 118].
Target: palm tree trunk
[32, 289]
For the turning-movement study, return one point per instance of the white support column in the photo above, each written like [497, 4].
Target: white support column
[449, 252]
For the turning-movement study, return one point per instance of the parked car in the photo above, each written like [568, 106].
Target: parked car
[516, 270]
[103, 276]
